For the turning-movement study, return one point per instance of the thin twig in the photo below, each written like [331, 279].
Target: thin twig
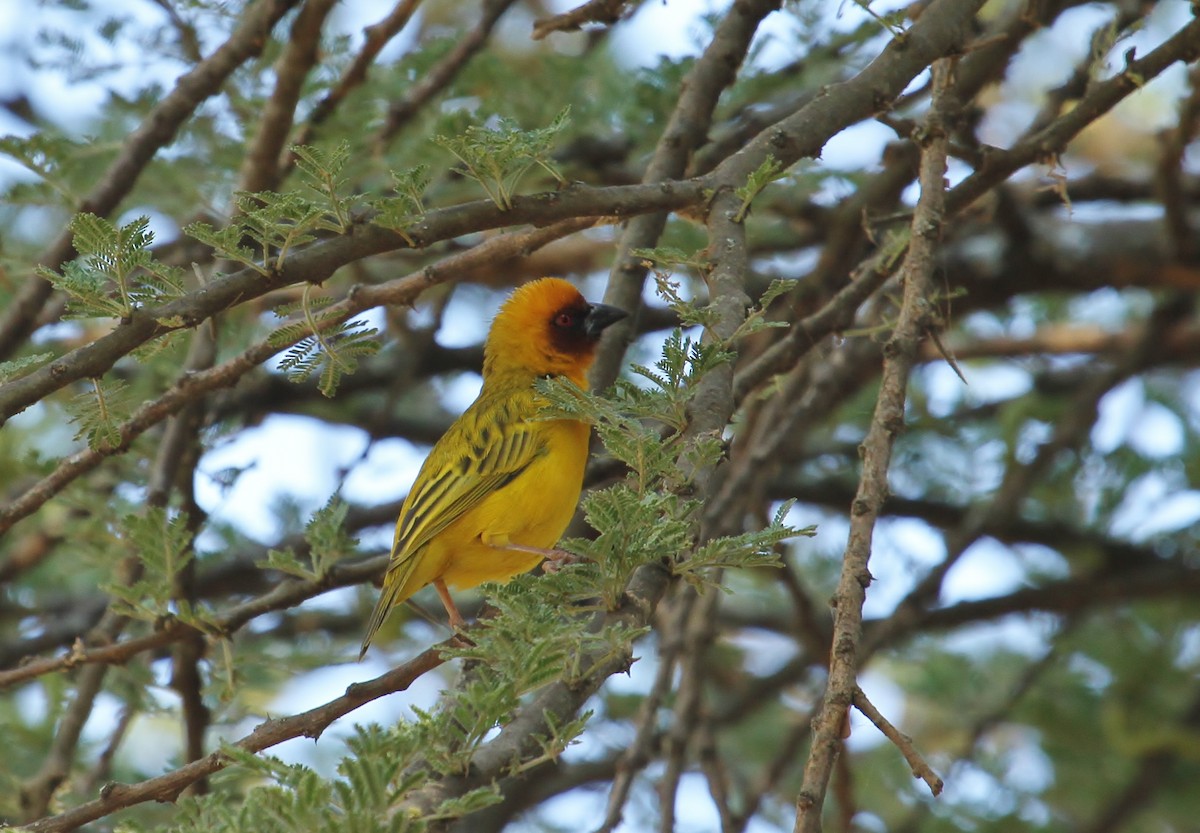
[920, 769]
[697, 622]
[768, 780]
[1170, 173]
[37, 792]
[647, 736]
[260, 166]
[440, 75]
[102, 769]
[377, 36]
[602, 12]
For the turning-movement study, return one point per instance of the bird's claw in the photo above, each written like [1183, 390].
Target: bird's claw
[557, 559]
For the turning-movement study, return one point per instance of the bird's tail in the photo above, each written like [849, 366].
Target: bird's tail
[387, 598]
[392, 594]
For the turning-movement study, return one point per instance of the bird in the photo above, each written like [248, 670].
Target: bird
[500, 486]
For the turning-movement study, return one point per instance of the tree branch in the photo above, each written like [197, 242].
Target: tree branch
[309, 724]
[260, 166]
[441, 74]
[915, 319]
[903, 742]
[156, 131]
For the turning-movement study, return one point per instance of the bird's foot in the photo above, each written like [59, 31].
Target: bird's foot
[557, 559]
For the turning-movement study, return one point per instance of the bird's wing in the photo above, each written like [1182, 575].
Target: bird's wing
[484, 451]
[487, 448]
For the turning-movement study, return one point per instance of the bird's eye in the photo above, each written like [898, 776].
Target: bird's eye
[564, 320]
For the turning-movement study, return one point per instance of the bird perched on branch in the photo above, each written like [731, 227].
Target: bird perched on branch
[500, 486]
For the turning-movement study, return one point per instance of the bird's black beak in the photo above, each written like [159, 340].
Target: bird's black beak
[599, 317]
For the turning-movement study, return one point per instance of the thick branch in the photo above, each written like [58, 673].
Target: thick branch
[318, 262]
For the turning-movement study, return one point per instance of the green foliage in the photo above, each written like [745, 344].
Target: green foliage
[635, 528]
[543, 632]
[321, 342]
[675, 378]
[321, 172]
[648, 518]
[382, 770]
[161, 541]
[275, 224]
[749, 549]
[327, 542]
[498, 157]
[227, 243]
[112, 258]
[408, 206]
[44, 153]
[766, 173]
[17, 367]
[99, 413]
[295, 797]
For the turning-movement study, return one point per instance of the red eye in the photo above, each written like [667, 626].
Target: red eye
[564, 320]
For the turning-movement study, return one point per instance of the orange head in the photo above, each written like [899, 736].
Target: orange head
[546, 328]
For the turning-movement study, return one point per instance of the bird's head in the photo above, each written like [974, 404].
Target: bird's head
[546, 328]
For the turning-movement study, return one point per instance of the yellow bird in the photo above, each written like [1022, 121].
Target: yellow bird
[500, 486]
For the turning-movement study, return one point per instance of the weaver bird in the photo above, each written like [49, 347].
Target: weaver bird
[500, 486]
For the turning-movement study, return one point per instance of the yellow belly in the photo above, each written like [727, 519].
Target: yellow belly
[533, 511]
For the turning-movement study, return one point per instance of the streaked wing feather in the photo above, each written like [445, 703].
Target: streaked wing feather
[487, 448]
[495, 448]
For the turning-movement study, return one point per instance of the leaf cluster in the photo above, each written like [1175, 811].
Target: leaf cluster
[327, 542]
[161, 543]
[408, 206]
[268, 225]
[99, 413]
[115, 273]
[324, 344]
[498, 156]
[375, 777]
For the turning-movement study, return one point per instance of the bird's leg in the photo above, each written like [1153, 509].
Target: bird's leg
[456, 620]
[555, 559]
